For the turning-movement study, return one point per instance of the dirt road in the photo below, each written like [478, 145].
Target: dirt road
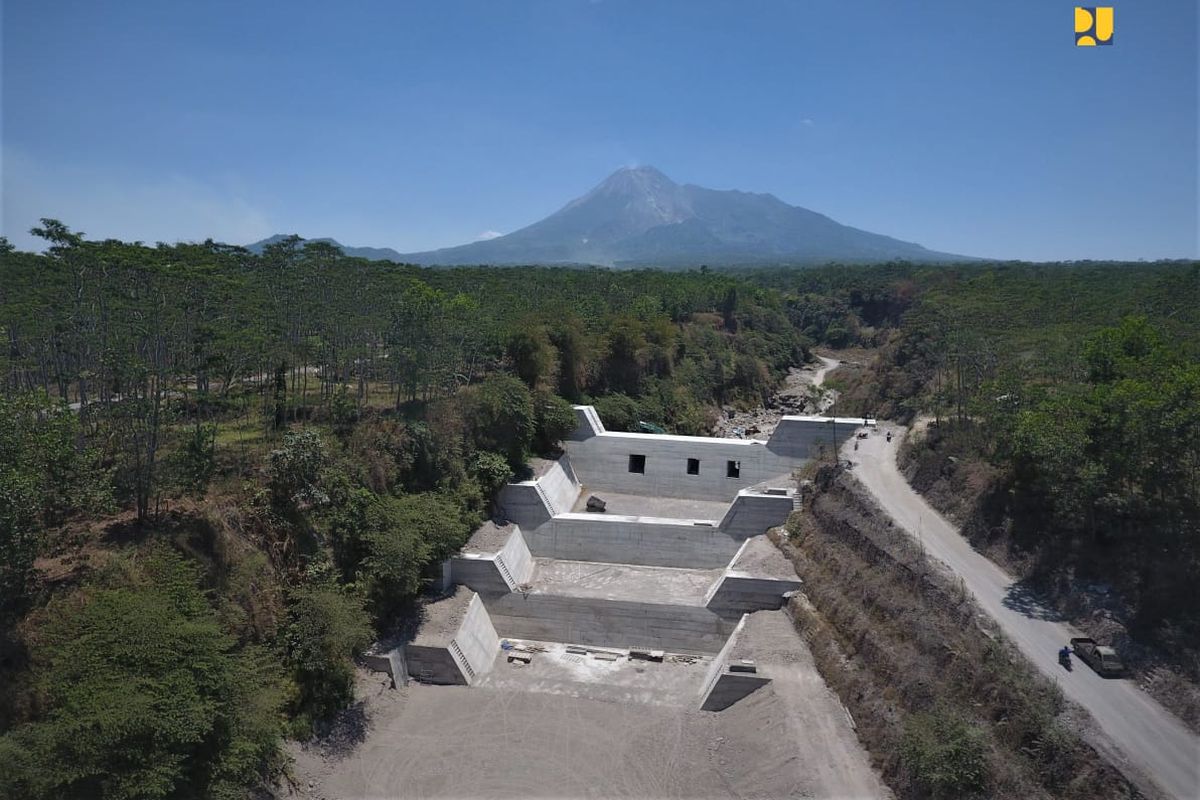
[1147, 742]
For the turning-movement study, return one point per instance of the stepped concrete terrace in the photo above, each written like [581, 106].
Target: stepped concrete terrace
[666, 575]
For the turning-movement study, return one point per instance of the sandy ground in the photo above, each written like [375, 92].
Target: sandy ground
[569, 731]
[1143, 739]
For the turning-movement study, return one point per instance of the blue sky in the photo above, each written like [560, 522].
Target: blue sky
[971, 127]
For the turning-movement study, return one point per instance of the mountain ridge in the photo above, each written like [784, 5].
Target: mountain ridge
[637, 216]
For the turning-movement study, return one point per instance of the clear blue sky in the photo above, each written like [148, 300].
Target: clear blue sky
[972, 127]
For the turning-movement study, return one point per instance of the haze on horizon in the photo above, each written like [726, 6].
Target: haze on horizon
[968, 128]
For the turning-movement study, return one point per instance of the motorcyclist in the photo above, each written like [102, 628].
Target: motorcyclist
[1064, 655]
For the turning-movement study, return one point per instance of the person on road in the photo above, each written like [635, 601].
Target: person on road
[1064, 655]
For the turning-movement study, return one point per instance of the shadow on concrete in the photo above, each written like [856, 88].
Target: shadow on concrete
[1024, 599]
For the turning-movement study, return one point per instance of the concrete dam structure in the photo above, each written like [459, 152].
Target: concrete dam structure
[667, 565]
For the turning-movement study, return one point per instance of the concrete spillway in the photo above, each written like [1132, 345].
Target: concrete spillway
[674, 566]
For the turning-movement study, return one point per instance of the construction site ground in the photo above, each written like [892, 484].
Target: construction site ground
[558, 728]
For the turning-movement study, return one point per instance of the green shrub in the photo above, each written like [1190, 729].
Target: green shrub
[326, 628]
[501, 417]
[491, 471]
[142, 695]
[944, 754]
[618, 412]
[555, 420]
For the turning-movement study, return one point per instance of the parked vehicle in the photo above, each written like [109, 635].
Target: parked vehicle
[1102, 659]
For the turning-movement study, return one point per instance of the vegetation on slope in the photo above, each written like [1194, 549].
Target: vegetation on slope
[222, 474]
[948, 709]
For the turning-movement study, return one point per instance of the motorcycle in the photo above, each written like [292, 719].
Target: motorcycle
[1064, 659]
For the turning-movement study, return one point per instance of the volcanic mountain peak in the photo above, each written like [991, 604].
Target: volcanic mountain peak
[637, 216]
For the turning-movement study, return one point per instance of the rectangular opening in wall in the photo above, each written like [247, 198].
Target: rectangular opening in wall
[733, 469]
[693, 466]
[637, 464]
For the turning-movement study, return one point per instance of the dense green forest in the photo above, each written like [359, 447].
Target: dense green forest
[223, 474]
[1065, 402]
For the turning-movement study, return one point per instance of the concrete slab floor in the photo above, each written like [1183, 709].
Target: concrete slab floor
[674, 681]
[638, 505]
[666, 585]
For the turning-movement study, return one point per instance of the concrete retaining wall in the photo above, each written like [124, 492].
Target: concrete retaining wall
[516, 558]
[389, 661]
[736, 594]
[532, 503]
[633, 540]
[602, 464]
[479, 573]
[601, 458]
[476, 641]
[753, 513]
[805, 438]
[560, 486]
[433, 665]
[609, 623]
[468, 655]
[731, 687]
[722, 657]
[492, 573]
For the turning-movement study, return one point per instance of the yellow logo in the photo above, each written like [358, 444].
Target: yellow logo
[1093, 26]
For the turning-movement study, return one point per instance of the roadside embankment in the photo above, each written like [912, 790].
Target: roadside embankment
[1092, 588]
[945, 706]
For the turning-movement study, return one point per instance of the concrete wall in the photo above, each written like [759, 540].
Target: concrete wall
[601, 458]
[805, 438]
[718, 663]
[753, 513]
[468, 655]
[608, 623]
[491, 573]
[731, 687]
[736, 594]
[523, 504]
[602, 464]
[479, 573]
[476, 641]
[390, 661]
[433, 665]
[532, 503]
[560, 486]
[516, 557]
[633, 540]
